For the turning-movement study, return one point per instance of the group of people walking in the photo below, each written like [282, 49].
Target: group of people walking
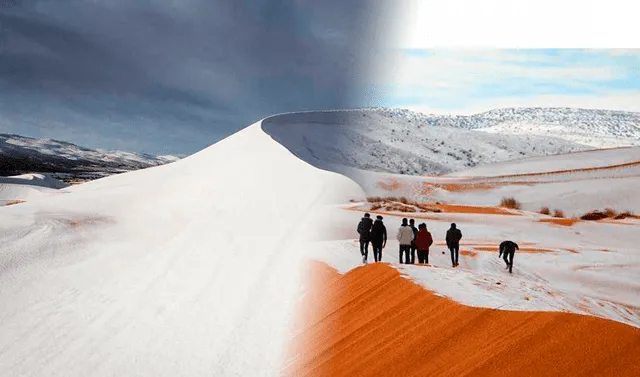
[418, 240]
[412, 240]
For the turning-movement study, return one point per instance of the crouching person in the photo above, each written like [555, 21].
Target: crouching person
[508, 248]
[423, 241]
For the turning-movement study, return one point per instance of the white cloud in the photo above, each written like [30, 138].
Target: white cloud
[519, 23]
[454, 75]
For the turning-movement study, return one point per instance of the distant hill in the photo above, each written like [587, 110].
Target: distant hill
[20, 155]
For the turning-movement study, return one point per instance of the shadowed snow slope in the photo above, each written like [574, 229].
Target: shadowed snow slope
[187, 269]
[398, 143]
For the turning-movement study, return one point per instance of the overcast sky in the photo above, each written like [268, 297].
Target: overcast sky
[169, 76]
[174, 76]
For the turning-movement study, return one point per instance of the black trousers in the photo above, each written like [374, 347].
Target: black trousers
[412, 252]
[404, 250]
[454, 248]
[364, 248]
[423, 256]
[508, 259]
[377, 251]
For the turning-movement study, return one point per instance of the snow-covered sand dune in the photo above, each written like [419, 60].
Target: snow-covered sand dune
[187, 269]
[192, 268]
[27, 187]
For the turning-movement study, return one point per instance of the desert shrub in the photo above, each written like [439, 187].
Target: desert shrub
[558, 213]
[626, 215]
[510, 202]
[373, 199]
[545, 210]
[594, 215]
[392, 199]
[403, 200]
[608, 213]
[400, 208]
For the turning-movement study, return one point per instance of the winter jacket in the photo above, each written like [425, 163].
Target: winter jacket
[423, 240]
[405, 235]
[378, 234]
[508, 247]
[364, 229]
[454, 236]
[415, 234]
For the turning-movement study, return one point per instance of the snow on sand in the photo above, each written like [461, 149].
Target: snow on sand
[187, 269]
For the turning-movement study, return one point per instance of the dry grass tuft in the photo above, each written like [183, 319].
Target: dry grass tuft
[608, 213]
[626, 215]
[511, 203]
[400, 208]
[594, 216]
[545, 211]
[558, 213]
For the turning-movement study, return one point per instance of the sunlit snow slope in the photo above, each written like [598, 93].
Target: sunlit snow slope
[187, 269]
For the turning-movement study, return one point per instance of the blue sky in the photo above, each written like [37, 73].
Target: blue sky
[470, 80]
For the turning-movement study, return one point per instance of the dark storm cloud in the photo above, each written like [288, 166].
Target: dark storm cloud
[208, 67]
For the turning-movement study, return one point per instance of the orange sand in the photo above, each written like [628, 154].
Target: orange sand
[560, 221]
[429, 187]
[453, 208]
[456, 208]
[373, 322]
[468, 253]
[556, 172]
[14, 202]
[528, 250]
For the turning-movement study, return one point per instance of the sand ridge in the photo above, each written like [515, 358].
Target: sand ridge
[373, 322]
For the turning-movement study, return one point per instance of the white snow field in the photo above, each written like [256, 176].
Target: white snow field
[27, 187]
[186, 269]
[587, 267]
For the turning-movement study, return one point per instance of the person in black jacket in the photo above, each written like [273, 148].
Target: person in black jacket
[378, 237]
[412, 249]
[364, 230]
[508, 248]
[454, 235]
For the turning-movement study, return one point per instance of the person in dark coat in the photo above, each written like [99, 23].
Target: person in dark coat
[378, 237]
[412, 249]
[508, 248]
[364, 230]
[423, 241]
[454, 235]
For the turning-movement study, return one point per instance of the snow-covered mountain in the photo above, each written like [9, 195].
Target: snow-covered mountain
[405, 142]
[20, 154]
[596, 128]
